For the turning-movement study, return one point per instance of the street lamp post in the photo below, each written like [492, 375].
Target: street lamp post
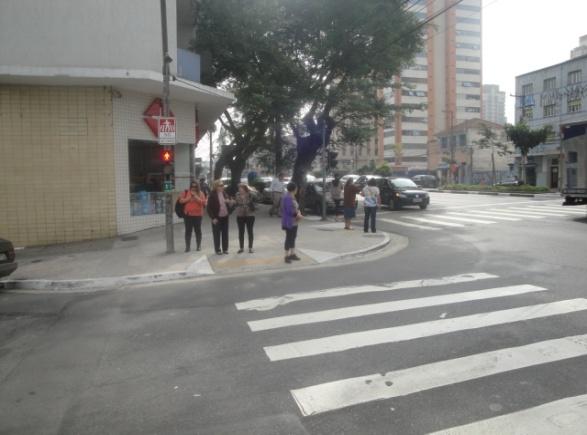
[168, 195]
[324, 163]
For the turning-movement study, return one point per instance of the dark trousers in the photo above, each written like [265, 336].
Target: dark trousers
[290, 237]
[370, 213]
[220, 230]
[192, 223]
[249, 221]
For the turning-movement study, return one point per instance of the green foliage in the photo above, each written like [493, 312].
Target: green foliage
[525, 188]
[490, 140]
[384, 170]
[525, 138]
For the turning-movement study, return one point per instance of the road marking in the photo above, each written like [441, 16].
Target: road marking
[515, 214]
[559, 210]
[388, 307]
[406, 224]
[355, 340]
[274, 302]
[537, 213]
[494, 204]
[492, 215]
[562, 417]
[462, 219]
[329, 396]
[436, 222]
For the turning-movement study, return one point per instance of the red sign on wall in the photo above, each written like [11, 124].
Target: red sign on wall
[153, 112]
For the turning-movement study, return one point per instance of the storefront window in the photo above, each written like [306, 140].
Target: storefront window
[146, 175]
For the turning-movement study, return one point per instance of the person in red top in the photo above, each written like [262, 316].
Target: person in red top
[194, 202]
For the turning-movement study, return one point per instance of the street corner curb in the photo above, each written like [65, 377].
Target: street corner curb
[523, 195]
[386, 240]
[198, 268]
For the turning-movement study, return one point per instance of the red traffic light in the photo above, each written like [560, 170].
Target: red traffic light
[167, 156]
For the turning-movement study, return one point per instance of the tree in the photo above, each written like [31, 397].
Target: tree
[490, 140]
[525, 139]
[384, 170]
[349, 49]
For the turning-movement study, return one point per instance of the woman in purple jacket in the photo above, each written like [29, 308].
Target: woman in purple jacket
[290, 215]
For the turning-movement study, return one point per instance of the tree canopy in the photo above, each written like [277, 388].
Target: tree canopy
[322, 61]
[524, 138]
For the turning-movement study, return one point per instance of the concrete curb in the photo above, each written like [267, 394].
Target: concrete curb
[199, 269]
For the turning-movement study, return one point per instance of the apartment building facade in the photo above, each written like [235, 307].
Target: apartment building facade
[80, 85]
[555, 96]
[493, 104]
[441, 88]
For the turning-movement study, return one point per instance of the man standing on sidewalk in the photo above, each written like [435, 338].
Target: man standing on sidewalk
[276, 188]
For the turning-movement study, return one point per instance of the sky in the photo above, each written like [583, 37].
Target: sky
[520, 36]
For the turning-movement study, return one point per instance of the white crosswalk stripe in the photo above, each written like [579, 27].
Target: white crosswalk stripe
[455, 216]
[563, 417]
[558, 210]
[388, 307]
[407, 224]
[331, 395]
[340, 394]
[534, 212]
[515, 214]
[395, 334]
[490, 215]
[435, 221]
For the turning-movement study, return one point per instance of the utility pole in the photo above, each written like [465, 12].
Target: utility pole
[324, 163]
[210, 173]
[168, 195]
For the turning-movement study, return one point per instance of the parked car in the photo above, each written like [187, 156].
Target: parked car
[313, 197]
[362, 180]
[399, 192]
[510, 182]
[347, 176]
[425, 180]
[7, 258]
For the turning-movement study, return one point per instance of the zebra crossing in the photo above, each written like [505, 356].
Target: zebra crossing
[364, 388]
[488, 215]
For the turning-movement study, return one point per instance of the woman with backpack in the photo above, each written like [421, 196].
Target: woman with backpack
[245, 216]
[193, 201]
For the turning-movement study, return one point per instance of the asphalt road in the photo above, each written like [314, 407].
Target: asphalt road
[479, 322]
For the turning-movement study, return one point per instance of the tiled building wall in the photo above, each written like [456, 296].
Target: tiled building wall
[56, 164]
[129, 124]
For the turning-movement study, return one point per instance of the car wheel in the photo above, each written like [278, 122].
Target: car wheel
[423, 206]
[318, 208]
[394, 205]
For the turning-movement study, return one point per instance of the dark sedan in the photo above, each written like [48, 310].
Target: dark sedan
[313, 197]
[7, 257]
[399, 192]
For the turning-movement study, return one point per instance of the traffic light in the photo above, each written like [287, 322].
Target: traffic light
[332, 162]
[167, 157]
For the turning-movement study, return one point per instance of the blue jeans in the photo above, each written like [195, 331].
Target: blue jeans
[370, 213]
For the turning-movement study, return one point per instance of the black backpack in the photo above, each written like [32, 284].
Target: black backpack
[180, 208]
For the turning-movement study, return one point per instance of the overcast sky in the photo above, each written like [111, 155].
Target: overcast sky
[520, 36]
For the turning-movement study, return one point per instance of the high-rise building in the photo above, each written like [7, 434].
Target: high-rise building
[442, 87]
[493, 104]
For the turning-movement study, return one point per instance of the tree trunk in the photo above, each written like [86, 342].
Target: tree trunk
[278, 147]
[219, 166]
[237, 167]
[524, 168]
[492, 167]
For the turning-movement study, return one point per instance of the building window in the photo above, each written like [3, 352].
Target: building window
[468, 46]
[468, 58]
[462, 140]
[414, 80]
[414, 133]
[469, 7]
[468, 71]
[146, 175]
[549, 110]
[414, 93]
[417, 119]
[574, 77]
[528, 89]
[572, 157]
[550, 83]
[468, 33]
[468, 20]
[473, 97]
[470, 84]
[389, 133]
[418, 67]
[528, 112]
[444, 143]
[574, 106]
[472, 110]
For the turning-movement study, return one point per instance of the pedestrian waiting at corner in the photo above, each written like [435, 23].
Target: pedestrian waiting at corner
[277, 188]
[290, 216]
[350, 202]
[193, 201]
[218, 210]
[372, 200]
[245, 216]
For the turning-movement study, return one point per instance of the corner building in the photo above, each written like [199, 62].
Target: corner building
[79, 84]
[442, 87]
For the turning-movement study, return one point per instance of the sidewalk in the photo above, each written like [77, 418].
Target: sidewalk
[140, 257]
